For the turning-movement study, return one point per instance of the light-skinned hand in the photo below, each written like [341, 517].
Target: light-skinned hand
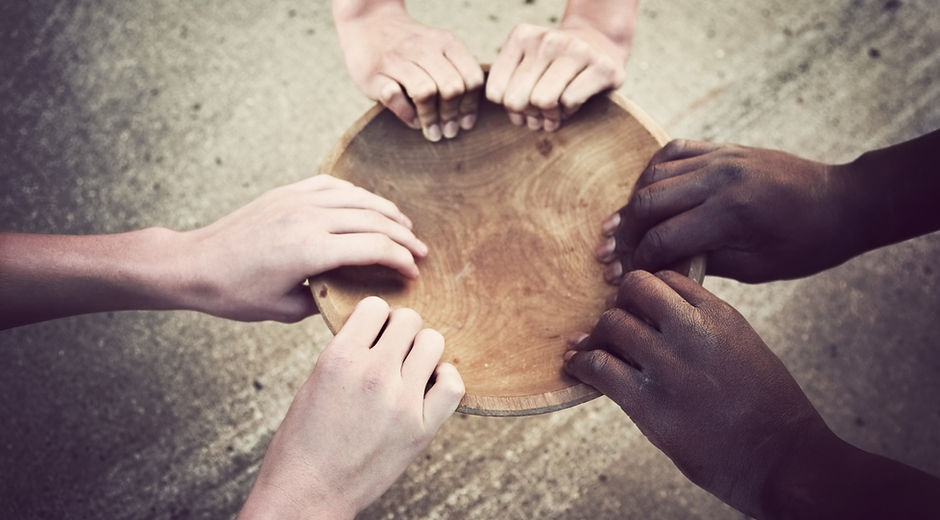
[359, 420]
[543, 75]
[425, 76]
[252, 263]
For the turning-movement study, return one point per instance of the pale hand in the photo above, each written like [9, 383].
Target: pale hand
[360, 418]
[250, 265]
[543, 75]
[425, 76]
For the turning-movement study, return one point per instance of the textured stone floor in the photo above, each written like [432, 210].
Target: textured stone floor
[116, 115]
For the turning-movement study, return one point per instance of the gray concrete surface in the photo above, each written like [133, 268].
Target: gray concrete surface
[122, 114]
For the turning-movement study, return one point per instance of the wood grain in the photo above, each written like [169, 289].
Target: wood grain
[511, 217]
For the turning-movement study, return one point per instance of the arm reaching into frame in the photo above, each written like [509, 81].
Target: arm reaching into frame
[249, 265]
[360, 418]
[543, 75]
[762, 215]
[704, 388]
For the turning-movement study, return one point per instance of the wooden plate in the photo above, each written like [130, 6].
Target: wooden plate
[511, 217]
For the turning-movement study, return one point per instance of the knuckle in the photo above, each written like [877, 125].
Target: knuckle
[452, 89]
[655, 239]
[607, 69]
[407, 315]
[544, 101]
[596, 361]
[676, 146]
[423, 91]
[642, 204]
[526, 33]
[453, 384]
[634, 279]
[579, 49]
[374, 303]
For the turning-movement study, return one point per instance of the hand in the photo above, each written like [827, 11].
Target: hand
[544, 75]
[360, 418]
[252, 263]
[757, 214]
[700, 384]
[425, 76]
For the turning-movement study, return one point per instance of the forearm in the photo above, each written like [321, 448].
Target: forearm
[892, 193]
[615, 19]
[44, 277]
[837, 480]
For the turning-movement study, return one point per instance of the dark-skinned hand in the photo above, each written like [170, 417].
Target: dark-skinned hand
[757, 214]
[699, 383]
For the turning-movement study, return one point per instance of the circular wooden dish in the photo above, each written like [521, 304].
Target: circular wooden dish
[511, 217]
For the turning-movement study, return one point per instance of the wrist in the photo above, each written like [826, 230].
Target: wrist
[810, 478]
[862, 214]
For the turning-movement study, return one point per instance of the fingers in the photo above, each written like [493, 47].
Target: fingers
[346, 220]
[523, 80]
[362, 328]
[551, 72]
[391, 95]
[472, 75]
[422, 360]
[625, 333]
[443, 85]
[687, 288]
[668, 197]
[360, 198]
[595, 78]
[422, 89]
[649, 298]
[450, 89]
[444, 395]
[685, 235]
[546, 94]
[609, 375]
[674, 150]
[503, 66]
[367, 249]
[403, 325]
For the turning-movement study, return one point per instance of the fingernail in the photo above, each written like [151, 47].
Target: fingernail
[605, 250]
[551, 125]
[569, 354]
[433, 133]
[610, 225]
[517, 119]
[467, 121]
[534, 123]
[415, 124]
[576, 339]
[450, 129]
[422, 248]
[613, 272]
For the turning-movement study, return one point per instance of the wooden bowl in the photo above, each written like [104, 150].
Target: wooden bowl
[511, 217]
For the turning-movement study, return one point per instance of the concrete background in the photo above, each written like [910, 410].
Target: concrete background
[122, 114]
